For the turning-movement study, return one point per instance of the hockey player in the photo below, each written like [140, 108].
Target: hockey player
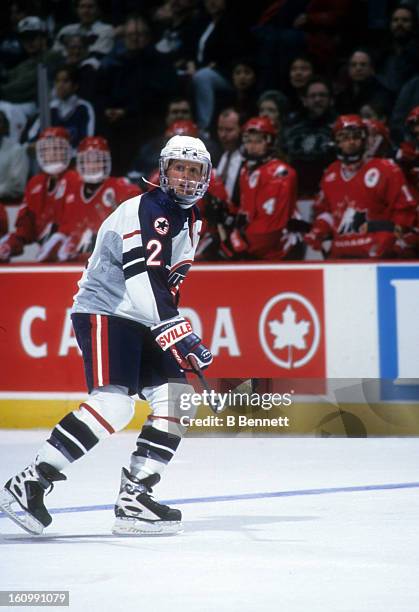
[181, 127]
[268, 189]
[215, 207]
[95, 196]
[41, 210]
[408, 153]
[408, 159]
[363, 206]
[132, 340]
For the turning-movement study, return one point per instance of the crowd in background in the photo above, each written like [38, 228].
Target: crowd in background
[265, 85]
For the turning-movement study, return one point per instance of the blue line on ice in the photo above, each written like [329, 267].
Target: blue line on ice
[242, 496]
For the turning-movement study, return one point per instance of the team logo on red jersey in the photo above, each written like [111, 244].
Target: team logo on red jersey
[161, 225]
[371, 177]
[289, 330]
[109, 199]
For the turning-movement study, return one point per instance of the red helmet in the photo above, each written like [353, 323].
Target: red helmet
[55, 132]
[183, 127]
[260, 124]
[349, 122]
[93, 159]
[413, 117]
[346, 123]
[53, 150]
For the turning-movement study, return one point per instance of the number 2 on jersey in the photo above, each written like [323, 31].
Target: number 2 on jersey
[155, 247]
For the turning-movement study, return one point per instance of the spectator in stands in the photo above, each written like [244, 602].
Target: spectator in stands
[20, 85]
[408, 97]
[362, 85]
[76, 56]
[274, 104]
[147, 158]
[100, 35]
[14, 165]
[178, 31]
[178, 108]
[289, 28]
[308, 143]
[135, 86]
[209, 60]
[400, 60]
[16, 118]
[229, 137]
[374, 110]
[268, 190]
[364, 206]
[301, 70]
[67, 109]
[97, 194]
[11, 49]
[244, 95]
[40, 213]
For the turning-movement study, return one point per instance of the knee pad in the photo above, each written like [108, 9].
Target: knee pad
[106, 410]
[169, 402]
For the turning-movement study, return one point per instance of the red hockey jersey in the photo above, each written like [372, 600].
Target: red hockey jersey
[83, 215]
[268, 196]
[41, 210]
[359, 211]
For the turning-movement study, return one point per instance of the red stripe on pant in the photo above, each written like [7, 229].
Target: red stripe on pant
[98, 417]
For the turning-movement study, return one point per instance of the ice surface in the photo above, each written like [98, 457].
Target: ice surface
[306, 549]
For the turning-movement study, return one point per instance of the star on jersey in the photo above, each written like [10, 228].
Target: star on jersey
[161, 225]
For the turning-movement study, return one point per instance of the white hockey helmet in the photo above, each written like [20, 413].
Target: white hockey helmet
[53, 150]
[186, 192]
[93, 159]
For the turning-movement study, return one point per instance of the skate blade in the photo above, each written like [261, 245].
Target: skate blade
[127, 526]
[10, 506]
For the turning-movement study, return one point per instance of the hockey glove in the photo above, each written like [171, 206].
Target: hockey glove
[177, 336]
[5, 251]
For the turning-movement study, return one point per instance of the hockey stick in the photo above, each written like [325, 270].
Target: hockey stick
[215, 407]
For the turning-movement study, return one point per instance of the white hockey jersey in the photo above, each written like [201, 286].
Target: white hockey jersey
[143, 252]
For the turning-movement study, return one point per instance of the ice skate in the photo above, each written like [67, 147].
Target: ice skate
[137, 513]
[22, 498]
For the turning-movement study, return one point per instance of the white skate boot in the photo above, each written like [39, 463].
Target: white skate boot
[22, 498]
[137, 513]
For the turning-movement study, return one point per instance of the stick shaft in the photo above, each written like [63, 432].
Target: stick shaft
[197, 370]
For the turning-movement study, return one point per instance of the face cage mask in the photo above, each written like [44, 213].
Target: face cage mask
[94, 166]
[199, 187]
[53, 155]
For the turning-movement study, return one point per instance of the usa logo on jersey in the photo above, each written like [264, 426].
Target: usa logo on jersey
[161, 225]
